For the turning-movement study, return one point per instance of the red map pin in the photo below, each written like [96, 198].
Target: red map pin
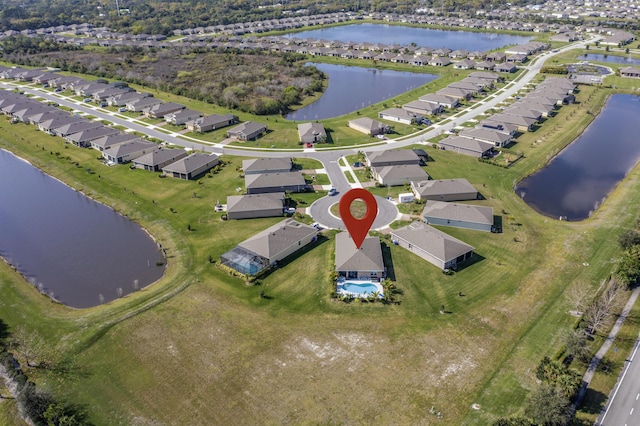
[358, 228]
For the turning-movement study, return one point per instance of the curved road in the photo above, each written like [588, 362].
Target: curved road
[328, 157]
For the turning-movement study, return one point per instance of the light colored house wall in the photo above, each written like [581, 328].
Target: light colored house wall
[423, 254]
[458, 224]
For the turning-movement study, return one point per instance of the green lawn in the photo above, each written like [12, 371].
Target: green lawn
[202, 347]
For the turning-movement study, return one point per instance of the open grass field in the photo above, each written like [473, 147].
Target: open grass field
[201, 347]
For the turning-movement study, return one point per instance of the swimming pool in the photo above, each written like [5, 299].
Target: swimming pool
[359, 288]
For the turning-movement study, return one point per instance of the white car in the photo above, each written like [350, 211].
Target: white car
[332, 191]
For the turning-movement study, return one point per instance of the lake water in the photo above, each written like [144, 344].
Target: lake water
[353, 88]
[72, 248]
[424, 37]
[578, 180]
[609, 58]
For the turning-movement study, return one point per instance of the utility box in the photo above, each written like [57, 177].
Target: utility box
[406, 197]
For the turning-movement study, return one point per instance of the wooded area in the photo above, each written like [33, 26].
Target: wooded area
[162, 17]
[252, 81]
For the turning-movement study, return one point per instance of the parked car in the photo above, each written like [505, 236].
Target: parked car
[87, 100]
[122, 109]
[289, 210]
[358, 164]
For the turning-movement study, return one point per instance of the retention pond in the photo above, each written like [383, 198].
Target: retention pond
[77, 251]
[574, 184]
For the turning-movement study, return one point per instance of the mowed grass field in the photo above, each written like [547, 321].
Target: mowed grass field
[201, 347]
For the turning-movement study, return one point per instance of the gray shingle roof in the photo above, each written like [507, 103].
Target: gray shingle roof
[349, 258]
[433, 241]
[189, 164]
[427, 188]
[277, 238]
[159, 156]
[255, 202]
[265, 165]
[458, 211]
[266, 180]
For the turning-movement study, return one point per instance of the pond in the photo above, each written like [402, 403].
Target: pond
[75, 250]
[574, 184]
[609, 58]
[423, 37]
[353, 88]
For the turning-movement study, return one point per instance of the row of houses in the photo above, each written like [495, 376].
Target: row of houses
[116, 147]
[416, 112]
[500, 129]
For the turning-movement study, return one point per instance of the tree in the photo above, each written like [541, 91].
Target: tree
[548, 406]
[578, 295]
[575, 342]
[28, 345]
[629, 238]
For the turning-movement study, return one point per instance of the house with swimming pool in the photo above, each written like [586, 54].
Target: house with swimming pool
[269, 246]
[364, 263]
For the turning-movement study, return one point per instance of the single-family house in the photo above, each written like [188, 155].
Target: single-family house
[507, 67]
[178, 118]
[256, 166]
[399, 174]
[84, 138]
[525, 124]
[499, 139]
[312, 132]
[211, 122]
[423, 108]
[439, 61]
[247, 131]
[490, 76]
[458, 215]
[496, 57]
[523, 110]
[400, 115]
[269, 246]
[191, 166]
[110, 140]
[391, 157]
[460, 94]
[442, 100]
[120, 100]
[77, 126]
[466, 146]
[155, 161]
[141, 104]
[255, 205]
[368, 126]
[630, 72]
[485, 65]
[433, 245]
[275, 182]
[127, 151]
[162, 109]
[364, 263]
[465, 64]
[58, 120]
[444, 190]
[500, 126]
[517, 58]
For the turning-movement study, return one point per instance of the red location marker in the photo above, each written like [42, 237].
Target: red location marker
[358, 228]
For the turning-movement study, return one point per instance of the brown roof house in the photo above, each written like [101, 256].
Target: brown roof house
[459, 215]
[364, 263]
[255, 205]
[269, 246]
[192, 166]
[433, 245]
[444, 190]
